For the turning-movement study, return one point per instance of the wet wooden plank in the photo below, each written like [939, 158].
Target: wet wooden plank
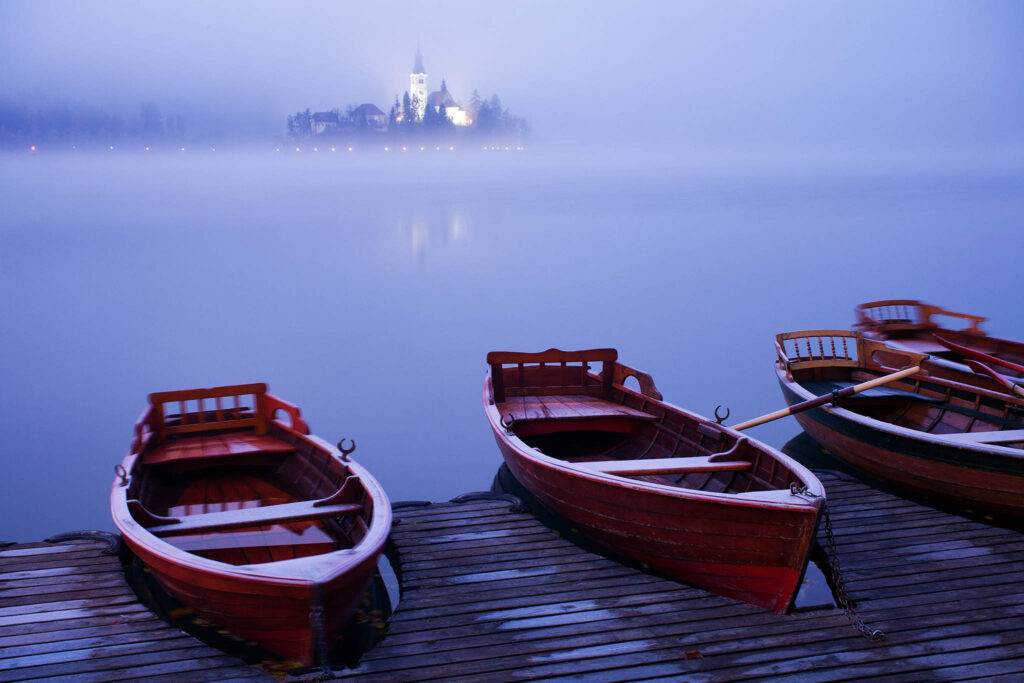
[948, 591]
[66, 612]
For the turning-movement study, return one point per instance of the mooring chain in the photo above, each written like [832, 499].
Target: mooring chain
[837, 573]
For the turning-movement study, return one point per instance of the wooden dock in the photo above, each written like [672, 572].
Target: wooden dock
[66, 612]
[489, 594]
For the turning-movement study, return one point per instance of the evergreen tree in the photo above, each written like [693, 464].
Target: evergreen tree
[396, 110]
[408, 113]
[300, 125]
[474, 104]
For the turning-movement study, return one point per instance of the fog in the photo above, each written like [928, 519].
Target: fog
[699, 177]
[700, 77]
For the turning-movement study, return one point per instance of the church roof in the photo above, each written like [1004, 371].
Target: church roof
[368, 109]
[418, 66]
[439, 97]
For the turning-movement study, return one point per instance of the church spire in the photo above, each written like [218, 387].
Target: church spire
[418, 66]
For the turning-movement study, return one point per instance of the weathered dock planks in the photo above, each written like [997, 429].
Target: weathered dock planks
[66, 612]
[490, 594]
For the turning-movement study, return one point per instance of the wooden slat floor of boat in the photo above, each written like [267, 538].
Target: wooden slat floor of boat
[66, 612]
[490, 594]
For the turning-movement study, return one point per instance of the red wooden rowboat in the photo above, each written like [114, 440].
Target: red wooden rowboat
[912, 325]
[245, 517]
[954, 438]
[693, 499]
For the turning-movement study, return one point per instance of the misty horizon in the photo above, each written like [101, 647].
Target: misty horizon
[847, 78]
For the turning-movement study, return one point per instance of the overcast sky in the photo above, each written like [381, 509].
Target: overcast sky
[859, 73]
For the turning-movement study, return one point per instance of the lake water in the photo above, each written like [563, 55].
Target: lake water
[368, 289]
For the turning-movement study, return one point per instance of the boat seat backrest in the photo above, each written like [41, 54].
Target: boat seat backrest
[202, 410]
[906, 315]
[841, 348]
[551, 372]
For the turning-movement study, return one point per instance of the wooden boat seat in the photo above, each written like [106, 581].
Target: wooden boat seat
[1002, 436]
[342, 502]
[207, 446]
[567, 407]
[665, 466]
[271, 514]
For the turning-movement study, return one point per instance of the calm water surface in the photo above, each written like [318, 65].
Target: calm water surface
[368, 290]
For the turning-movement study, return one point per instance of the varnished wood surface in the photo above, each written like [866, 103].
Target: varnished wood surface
[66, 612]
[568, 407]
[492, 595]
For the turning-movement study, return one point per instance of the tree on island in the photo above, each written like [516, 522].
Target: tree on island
[409, 111]
[436, 121]
[300, 126]
[396, 111]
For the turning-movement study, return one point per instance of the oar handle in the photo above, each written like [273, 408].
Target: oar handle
[828, 398]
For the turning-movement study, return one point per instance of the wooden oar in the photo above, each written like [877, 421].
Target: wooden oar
[986, 370]
[828, 398]
[978, 355]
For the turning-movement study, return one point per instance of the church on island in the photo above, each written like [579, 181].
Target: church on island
[437, 101]
[418, 113]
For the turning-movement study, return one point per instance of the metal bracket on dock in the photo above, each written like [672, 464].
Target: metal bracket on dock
[114, 543]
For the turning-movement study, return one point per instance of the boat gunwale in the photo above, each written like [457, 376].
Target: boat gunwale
[787, 379]
[326, 568]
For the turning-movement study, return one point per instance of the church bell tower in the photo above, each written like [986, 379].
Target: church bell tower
[418, 85]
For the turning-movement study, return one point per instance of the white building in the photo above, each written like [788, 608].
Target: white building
[421, 100]
[418, 85]
[456, 114]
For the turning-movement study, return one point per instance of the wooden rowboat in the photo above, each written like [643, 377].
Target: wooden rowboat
[913, 325]
[245, 517]
[945, 437]
[692, 499]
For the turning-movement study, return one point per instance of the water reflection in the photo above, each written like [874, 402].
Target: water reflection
[423, 230]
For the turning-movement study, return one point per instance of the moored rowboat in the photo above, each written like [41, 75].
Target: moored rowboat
[245, 517]
[693, 499]
[954, 438]
[913, 326]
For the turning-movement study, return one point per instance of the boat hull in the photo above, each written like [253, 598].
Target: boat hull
[755, 552]
[976, 478]
[277, 614]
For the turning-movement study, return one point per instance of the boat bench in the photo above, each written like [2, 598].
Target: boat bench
[213, 446]
[665, 466]
[338, 504]
[566, 407]
[1001, 436]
